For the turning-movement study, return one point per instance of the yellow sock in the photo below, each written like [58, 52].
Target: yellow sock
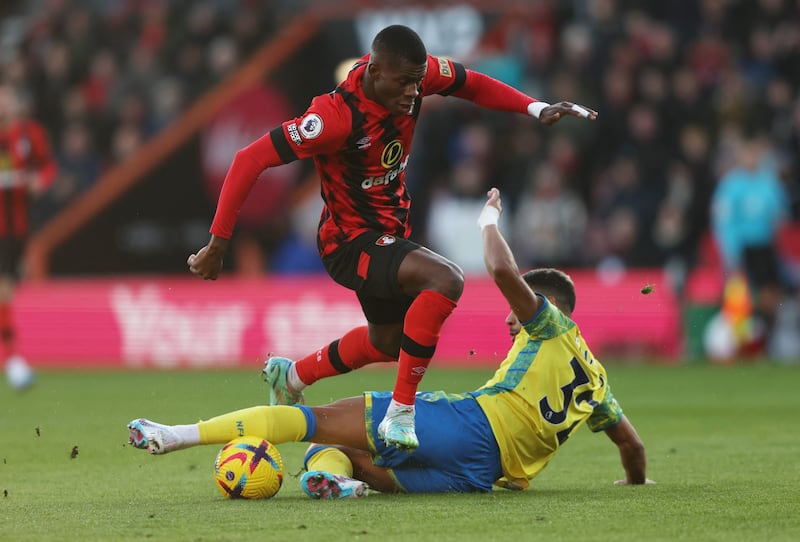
[331, 460]
[276, 424]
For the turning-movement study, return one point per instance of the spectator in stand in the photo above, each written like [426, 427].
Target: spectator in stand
[682, 216]
[78, 168]
[687, 102]
[617, 98]
[297, 252]
[622, 219]
[51, 82]
[99, 85]
[167, 99]
[646, 141]
[549, 226]
[453, 207]
[27, 168]
[793, 156]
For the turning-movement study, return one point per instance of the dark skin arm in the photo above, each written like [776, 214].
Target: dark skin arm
[207, 263]
[631, 453]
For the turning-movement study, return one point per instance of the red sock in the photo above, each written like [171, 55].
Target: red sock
[423, 322]
[352, 351]
[6, 331]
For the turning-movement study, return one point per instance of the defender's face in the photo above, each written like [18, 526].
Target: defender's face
[513, 324]
[397, 83]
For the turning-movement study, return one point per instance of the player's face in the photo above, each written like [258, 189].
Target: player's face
[396, 83]
[513, 325]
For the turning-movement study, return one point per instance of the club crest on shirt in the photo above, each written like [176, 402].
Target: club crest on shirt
[392, 153]
[311, 126]
[385, 240]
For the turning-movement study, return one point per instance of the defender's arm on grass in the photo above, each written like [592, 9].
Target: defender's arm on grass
[631, 453]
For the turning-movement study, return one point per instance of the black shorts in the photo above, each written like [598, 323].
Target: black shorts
[368, 265]
[11, 250]
[762, 266]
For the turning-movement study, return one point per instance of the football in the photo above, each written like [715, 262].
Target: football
[248, 468]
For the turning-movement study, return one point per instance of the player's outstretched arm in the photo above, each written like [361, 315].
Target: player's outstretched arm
[631, 453]
[500, 262]
[490, 93]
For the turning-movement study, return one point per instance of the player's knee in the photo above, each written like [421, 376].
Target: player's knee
[450, 281]
[425, 270]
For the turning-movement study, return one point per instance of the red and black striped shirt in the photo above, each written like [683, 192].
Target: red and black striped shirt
[25, 158]
[360, 151]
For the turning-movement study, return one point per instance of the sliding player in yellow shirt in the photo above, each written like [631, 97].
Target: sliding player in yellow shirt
[503, 433]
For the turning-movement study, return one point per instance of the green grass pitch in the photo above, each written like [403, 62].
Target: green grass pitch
[722, 442]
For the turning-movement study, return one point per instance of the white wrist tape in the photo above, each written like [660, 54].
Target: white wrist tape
[488, 217]
[580, 110]
[535, 108]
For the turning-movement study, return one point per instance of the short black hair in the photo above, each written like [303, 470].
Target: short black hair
[401, 41]
[553, 283]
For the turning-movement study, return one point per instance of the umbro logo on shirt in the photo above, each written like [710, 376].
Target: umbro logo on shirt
[364, 143]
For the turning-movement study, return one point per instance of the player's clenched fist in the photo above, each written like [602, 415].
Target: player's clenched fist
[207, 263]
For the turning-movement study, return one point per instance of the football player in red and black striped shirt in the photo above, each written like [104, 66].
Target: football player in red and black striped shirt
[27, 167]
[359, 136]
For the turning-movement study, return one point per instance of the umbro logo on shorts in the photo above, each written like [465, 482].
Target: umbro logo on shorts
[385, 240]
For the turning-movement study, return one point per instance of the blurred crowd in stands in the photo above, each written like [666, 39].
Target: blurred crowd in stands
[105, 76]
[679, 87]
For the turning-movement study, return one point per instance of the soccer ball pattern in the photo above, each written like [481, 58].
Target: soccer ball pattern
[248, 468]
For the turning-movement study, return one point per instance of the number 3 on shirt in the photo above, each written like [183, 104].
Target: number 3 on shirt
[557, 417]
